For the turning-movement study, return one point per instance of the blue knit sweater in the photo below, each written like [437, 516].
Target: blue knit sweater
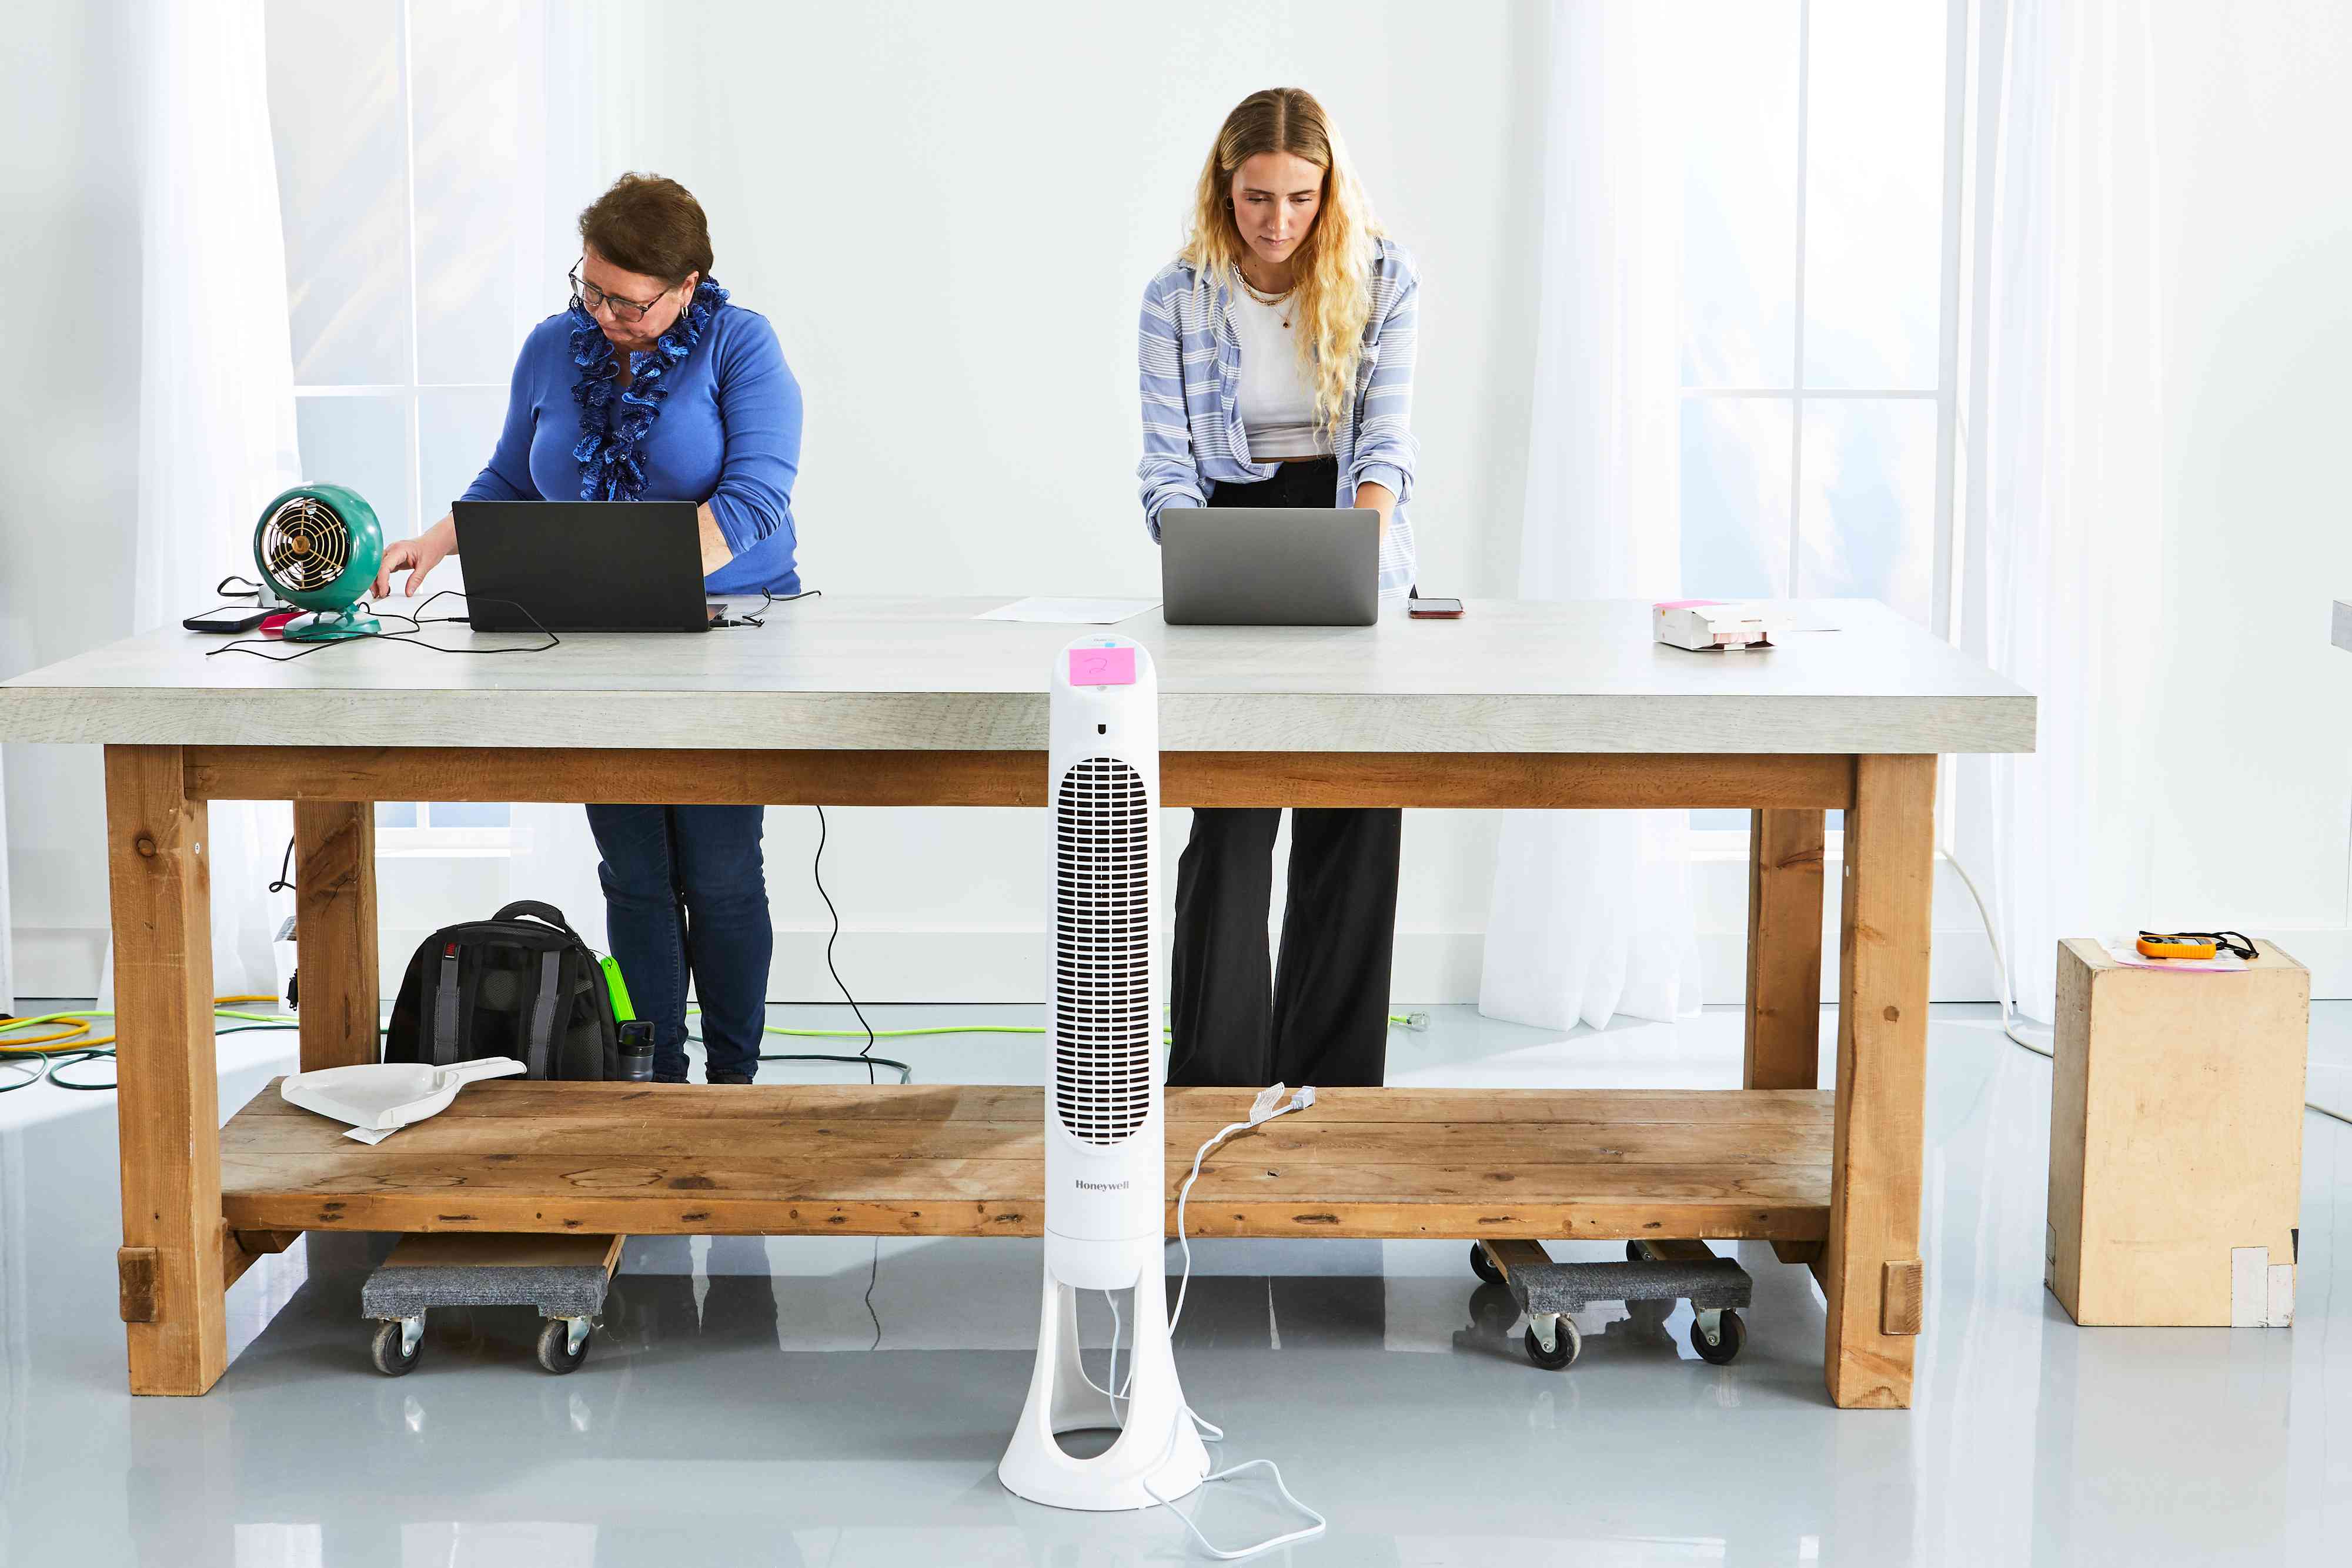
[718, 422]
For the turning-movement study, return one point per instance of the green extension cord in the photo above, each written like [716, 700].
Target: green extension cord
[71, 1055]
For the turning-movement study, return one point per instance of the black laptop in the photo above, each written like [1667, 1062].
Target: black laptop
[582, 565]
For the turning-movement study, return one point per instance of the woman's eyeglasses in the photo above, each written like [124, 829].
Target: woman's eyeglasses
[592, 299]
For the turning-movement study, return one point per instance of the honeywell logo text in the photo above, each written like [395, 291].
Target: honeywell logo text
[1101, 1185]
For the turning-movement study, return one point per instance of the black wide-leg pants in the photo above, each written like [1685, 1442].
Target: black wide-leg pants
[1321, 1016]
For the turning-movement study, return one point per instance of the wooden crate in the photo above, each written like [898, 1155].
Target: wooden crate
[2175, 1140]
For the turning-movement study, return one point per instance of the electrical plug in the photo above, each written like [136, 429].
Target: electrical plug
[1267, 1099]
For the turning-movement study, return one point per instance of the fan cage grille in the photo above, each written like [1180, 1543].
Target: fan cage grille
[1102, 939]
[306, 545]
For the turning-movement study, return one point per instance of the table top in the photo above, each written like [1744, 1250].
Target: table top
[910, 673]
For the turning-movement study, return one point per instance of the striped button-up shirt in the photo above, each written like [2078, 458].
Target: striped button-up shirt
[1192, 437]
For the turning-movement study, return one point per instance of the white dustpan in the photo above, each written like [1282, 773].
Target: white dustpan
[379, 1096]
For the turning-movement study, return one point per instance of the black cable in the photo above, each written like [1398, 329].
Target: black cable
[74, 1059]
[906, 1072]
[873, 1275]
[412, 638]
[222, 589]
[285, 882]
[816, 871]
[747, 619]
[767, 600]
[421, 618]
[75, 1055]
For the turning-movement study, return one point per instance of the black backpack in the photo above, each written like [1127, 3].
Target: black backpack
[519, 983]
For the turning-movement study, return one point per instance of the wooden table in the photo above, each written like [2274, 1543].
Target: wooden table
[913, 702]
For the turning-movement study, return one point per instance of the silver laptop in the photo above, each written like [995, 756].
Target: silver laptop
[1269, 566]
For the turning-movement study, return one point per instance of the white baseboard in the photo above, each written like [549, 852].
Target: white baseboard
[59, 960]
[1432, 967]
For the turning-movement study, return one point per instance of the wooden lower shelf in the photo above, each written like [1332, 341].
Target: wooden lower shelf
[968, 1160]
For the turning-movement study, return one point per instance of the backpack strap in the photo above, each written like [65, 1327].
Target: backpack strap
[537, 1046]
[537, 911]
[442, 1049]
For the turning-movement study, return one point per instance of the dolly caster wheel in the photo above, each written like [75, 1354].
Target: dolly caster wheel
[1730, 1334]
[1484, 1266]
[393, 1351]
[559, 1352]
[1566, 1344]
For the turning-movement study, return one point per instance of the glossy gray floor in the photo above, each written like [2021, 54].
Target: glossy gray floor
[841, 1403]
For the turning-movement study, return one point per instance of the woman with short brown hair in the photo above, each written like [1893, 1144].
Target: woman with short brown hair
[653, 386]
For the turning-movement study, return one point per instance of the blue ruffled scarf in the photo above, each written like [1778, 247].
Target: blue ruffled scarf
[610, 469]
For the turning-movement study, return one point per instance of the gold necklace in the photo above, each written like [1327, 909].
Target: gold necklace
[1268, 300]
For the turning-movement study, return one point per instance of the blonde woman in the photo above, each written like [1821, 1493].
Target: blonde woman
[1277, 372]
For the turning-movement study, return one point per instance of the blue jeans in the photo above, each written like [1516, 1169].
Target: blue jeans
[684, 895]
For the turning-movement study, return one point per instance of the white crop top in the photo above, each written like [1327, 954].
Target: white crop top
[1275, 398]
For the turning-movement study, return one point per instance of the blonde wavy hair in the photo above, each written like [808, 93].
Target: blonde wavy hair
[1333, 290]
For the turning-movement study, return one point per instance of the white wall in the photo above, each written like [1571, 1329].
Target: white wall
[909, 190]
[951, 222]
[2251, 121]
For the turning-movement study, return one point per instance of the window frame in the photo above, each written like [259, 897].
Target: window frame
[426, 838]
[1730, 842]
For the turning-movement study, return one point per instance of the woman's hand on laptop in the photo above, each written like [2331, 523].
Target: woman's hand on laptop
[419, 555]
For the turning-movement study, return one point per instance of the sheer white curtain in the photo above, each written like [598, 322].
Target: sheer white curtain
[553, 856]
[7, 936]
[2064, 505]
[216, 399]
[1591, 915]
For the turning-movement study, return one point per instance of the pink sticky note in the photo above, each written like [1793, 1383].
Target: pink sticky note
[1102, 666]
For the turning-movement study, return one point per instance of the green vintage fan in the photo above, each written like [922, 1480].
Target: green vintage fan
[318, 547]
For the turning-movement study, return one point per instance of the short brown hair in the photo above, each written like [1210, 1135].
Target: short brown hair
[649, 224]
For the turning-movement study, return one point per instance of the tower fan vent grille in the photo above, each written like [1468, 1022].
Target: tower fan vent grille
[1102, 937]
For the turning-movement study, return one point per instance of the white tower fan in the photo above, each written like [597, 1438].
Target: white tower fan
[1106, 1161]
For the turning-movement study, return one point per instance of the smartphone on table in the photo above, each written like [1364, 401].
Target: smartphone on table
[1436, 609]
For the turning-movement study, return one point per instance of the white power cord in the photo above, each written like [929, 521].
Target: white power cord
[1999, 963]
[2001, 975]
[1263, 1109]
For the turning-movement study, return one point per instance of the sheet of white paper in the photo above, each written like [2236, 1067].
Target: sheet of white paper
[370, 1135]
[1069, 611]
[2123, 950]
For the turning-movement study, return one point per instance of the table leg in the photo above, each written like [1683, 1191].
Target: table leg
[334, 931]
[1870, 1269]
[1784, 949]
[168, 1104]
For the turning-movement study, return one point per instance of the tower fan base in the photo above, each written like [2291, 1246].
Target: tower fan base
[1158, 1450]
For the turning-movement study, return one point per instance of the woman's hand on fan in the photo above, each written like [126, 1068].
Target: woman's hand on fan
[419, 555]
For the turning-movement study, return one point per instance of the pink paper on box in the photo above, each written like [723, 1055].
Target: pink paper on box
[1102, 666]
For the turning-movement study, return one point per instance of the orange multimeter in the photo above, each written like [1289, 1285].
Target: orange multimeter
[2194, 944]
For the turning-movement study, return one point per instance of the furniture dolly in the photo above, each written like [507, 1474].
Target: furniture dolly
[563, 1276]
[913, 702]
[1655, 1275]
